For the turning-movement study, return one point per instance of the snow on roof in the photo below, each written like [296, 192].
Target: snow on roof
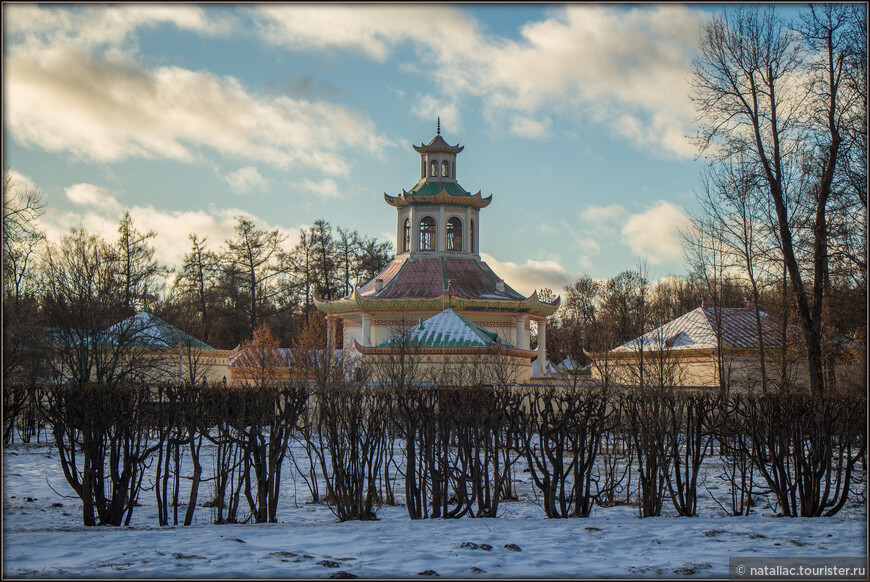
[698, 330]
[147, 330]
[447, 329]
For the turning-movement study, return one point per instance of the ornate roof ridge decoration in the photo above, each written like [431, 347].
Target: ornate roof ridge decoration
[438, 145]
[356, 302]
[443, 197]
[437, 351]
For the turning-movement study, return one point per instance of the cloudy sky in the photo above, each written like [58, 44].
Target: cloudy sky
[575, 118]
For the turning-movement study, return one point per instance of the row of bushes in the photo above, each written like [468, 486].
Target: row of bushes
[455, 448]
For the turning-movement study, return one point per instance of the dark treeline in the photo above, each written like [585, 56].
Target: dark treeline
[598, 315]
[456, 450]
[68, 292]
[223, 296]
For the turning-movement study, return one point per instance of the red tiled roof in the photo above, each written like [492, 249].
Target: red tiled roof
[428, 277]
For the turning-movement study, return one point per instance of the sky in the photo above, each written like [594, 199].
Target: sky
[575, 118]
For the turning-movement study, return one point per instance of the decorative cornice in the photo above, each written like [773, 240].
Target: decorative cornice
[443, 197]
[437, 351]
[356, 302]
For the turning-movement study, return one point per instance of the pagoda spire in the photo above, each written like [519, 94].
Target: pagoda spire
[438, 126]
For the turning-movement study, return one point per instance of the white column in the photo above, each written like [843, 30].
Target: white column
[415, 230]
[400, 232]
[330, 332]
[366, 329]
[522, 333]
[542, 347]
[442, 231]
[476, 241]
[466, 231]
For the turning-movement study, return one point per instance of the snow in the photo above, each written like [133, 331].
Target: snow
[43, 537]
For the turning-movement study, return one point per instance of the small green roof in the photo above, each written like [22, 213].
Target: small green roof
[434, 188]
[147, 330]
[447, 329]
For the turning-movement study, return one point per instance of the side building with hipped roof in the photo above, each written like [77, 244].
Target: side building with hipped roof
[731, 346]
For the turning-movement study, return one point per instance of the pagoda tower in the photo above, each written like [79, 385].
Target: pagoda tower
[437, 267]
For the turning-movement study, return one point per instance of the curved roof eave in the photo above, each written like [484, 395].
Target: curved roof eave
[356, 302]
[443, 197]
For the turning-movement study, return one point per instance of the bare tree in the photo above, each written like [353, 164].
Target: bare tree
[197, 284]
[22, 207]
[749, 91]
[137, 272]
[254, 256]
[24, 345]
[84, 309]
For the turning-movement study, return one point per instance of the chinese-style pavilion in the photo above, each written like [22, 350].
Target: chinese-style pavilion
[437, 266]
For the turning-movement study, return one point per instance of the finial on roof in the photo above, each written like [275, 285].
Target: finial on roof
[438, 127]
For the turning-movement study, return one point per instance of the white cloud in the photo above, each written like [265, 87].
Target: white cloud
[531, 275]
[90, 195]
[391, 237]
[172, 227]
[624, 67]
[655, 233]
[109, 109]
[245, 180]
[324, 189]
[530, 128]
[598, 225]
[359, 28]
[73, 84]
[19, 182]
[92, 25]
[601, 217]
[429, 107]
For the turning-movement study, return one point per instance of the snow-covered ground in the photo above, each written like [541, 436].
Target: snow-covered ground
[43, 537]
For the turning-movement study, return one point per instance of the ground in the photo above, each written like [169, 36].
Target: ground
[43, 537]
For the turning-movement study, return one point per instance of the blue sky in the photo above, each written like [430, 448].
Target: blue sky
[575, 118]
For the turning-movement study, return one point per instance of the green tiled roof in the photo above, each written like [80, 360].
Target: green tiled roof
[434, 188]
[446, 329]
[147, 330]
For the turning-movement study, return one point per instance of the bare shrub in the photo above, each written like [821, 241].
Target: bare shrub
[734, 442]
[349, 444]
[101, 434]
[806, 449]
[560, 433]
[690, 430]
[647, 414]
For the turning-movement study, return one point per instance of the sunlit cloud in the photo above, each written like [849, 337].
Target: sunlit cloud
[245, 180]
[19, 182]
[655, 233]
[429, 107]
[530, 128]
[98, 211]
[90, 195]
[531, 275]
[568, 64]
[73, 87]
[596, 218]
[324, 189]
[103, 25]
